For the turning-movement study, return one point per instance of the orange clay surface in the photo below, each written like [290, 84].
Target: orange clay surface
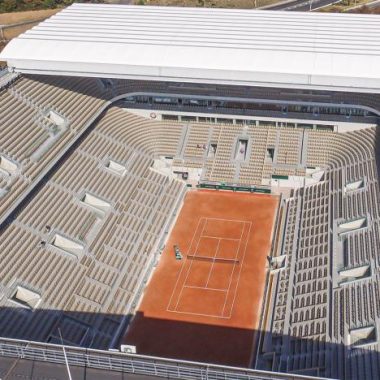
[206, 307]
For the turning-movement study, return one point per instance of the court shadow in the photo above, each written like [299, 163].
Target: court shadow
[176, 339]
[182, 341]
[262, 350]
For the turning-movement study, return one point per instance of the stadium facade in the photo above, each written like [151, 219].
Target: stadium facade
[110, 113]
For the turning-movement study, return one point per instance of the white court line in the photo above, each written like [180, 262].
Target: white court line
[183, 265]
[245, 251]
[236, 254]
[203, 288]
[189, 269]
[231, 276]
[241, 267]
[213, 263]
[209, 258]
[227, 220]
[199, 314]
[218, 237]
[227, 290]
[233, 270]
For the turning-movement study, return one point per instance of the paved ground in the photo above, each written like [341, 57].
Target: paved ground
[30, 370]
[206, 307]
[301, 5]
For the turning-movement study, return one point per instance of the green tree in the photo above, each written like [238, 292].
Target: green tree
[49, 4]
[8, 5]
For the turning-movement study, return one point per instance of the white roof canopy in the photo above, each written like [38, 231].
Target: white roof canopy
[266, 48]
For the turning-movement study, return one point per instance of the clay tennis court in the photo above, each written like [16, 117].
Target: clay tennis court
[206, 306]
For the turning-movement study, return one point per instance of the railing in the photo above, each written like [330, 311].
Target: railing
[233, 187]
[136, 364]
[6, 77]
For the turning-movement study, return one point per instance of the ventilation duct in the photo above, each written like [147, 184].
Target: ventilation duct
[116, 168]
[67, 245]
[96, 203]
[7, 166]
[26, 297]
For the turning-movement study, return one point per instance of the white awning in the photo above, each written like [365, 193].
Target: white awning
[249, 47]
